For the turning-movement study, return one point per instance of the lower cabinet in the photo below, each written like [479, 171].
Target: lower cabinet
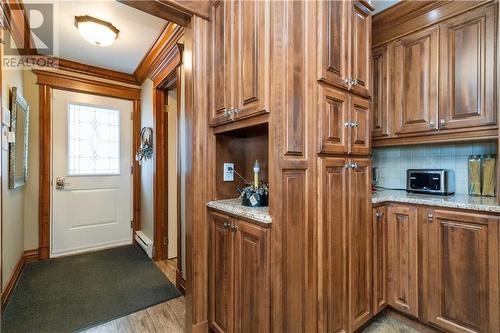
[463, 279]
[239, 277]
[441, 266]
[380, 258]
[345, 247]
[402, 241]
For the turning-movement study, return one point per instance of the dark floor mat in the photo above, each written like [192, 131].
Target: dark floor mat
[73, 293]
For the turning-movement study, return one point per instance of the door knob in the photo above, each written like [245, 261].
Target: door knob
[60, 183]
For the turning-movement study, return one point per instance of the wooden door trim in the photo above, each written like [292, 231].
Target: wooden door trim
[47, 82]
[162, 82]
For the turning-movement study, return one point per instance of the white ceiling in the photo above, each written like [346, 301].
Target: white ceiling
[381, 5]
[138, 31]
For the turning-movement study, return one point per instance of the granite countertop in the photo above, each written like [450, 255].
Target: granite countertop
[234, 207]
[463, 201]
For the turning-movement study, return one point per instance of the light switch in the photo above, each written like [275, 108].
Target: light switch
[229, 172]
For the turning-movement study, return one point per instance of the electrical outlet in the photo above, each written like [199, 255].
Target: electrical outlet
[229, 172]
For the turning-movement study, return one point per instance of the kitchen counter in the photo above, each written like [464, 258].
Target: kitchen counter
[234, 207]
[463, 201]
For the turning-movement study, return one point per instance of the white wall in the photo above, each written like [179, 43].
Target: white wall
[13, 200]
[393, 162]
[31, 194]
[147, 216]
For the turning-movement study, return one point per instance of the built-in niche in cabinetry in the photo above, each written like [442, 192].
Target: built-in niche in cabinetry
[241, 147]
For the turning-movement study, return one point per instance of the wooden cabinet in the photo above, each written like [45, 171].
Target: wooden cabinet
[344, 122]
[380, 258]
[240, 74]
[221, 274]
[239, 280]
[344, 47]
[345, 275]
[402, 224]
[444, 76]
[360, 243]
[416, 81]
[360, 50]
[222, 79]
[381, 90]
[467, 66]
[463, 271]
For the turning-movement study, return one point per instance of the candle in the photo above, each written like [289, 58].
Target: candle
[256, 169]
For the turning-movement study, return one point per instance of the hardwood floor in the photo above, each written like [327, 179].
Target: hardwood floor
[164, 317]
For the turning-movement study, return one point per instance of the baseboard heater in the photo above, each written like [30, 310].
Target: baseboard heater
[144, 242]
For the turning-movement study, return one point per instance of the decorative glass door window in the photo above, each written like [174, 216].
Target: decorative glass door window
[93, 141]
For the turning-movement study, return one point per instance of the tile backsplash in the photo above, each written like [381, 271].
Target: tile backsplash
[394, 161]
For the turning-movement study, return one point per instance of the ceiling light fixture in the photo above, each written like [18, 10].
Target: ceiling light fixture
[95, 31]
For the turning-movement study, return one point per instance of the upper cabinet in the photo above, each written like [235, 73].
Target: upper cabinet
[468, 69]
[360, 49]
[381, 90]
[416, 82]
[344, 35]
[444, 75]
[240, 84]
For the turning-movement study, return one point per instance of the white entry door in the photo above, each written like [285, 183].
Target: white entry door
[91, 173]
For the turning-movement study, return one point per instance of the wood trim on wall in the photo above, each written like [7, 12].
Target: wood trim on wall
[77, 67]
[48, 81]
[67, 82]
[160, 182]
[161, 9]
[155, 58]
[27, 257]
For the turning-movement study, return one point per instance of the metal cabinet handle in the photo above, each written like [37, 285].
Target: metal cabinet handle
[442, 122]
[355, 124]
[430, 217]
[226, 225]
[354, 82]
[379, 215]
[431, 124]
[234, 228]
[351, 165]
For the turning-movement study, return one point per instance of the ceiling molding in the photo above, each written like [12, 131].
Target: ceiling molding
[160, 9]
[72, 83]
[157, 55]
[100, 72]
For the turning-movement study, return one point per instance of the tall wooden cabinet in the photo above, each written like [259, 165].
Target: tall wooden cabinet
[239, 275]
[345, 266]
[240, 60]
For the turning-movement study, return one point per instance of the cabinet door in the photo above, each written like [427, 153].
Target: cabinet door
[467, 91]
[416, 82]
[332, 42]
[403, 258]
[252, 286]
[380, 253]
[360, 49]
[359, 134]
[463, 272]
[221, 273]
[332, 117]
[332, 248]
[252, 57]
[381, 90]
[360, 243]
[222, 53]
